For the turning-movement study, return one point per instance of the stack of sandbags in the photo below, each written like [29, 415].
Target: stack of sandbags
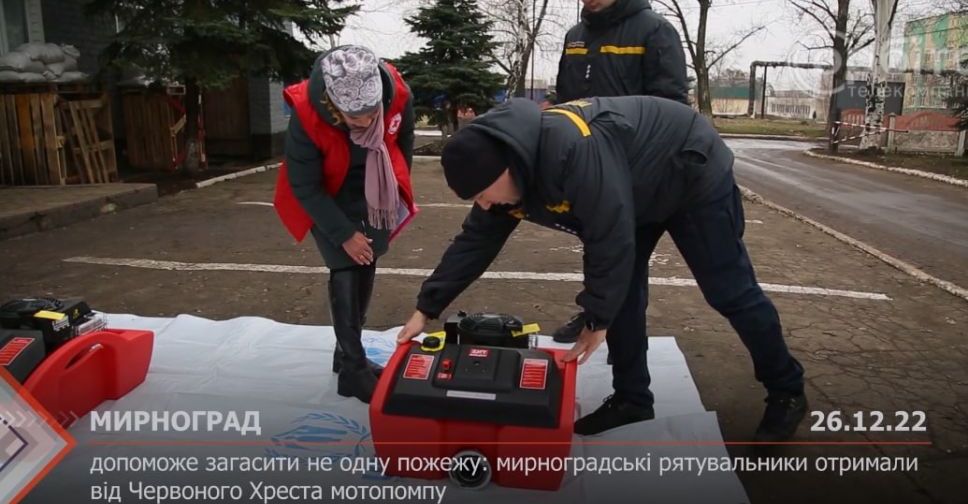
[40, 62]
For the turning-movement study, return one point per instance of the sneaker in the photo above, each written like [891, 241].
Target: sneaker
[569, 332]
[784, 412]
[614, 412]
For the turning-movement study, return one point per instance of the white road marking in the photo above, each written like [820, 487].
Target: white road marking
[230, 176]
[258, 203]
[444, 205]
[419, 272]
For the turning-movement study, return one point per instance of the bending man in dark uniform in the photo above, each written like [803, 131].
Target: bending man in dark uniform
[618, 173]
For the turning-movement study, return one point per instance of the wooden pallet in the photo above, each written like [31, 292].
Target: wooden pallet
[90, 139]
[31, 146]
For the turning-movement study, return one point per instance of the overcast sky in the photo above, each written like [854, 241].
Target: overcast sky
[380, 25]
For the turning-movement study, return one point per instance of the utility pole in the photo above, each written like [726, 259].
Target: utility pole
[884, 11]
[763, 96]
[534, 40]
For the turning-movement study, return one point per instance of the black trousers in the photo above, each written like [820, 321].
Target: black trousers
[710, 239]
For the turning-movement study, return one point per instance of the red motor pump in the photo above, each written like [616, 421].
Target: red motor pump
[464, 399]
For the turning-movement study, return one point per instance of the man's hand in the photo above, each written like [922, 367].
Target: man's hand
[412, 328]
[358, 248]
[588, 342]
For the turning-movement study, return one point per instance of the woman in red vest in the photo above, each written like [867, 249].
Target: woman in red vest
[346, 180]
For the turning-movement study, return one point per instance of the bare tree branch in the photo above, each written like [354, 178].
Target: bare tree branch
[520, 31]
[502, 65]
[675, 9]
[815, 48]
[816, 17]
[823, 7]
[719, 54]
[703, 55]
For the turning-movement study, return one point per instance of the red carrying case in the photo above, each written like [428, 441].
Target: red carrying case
[87, 370]
[398, 436]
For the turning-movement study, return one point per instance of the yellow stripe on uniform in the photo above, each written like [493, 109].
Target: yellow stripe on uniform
[575, 118]
[610, 49]
[576, 50]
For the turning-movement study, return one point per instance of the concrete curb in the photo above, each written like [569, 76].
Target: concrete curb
[755, 136]
[906, 171]
[905, 267]
[76, 211]
[230, 176]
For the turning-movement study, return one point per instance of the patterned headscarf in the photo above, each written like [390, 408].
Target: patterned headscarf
[352, 78]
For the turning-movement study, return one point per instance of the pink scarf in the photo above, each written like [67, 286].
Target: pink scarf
[382, 193]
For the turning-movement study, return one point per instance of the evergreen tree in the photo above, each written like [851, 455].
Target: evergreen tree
[455, 64]
[206, 44]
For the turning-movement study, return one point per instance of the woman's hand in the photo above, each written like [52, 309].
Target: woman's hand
[358, 248]
[412, 328]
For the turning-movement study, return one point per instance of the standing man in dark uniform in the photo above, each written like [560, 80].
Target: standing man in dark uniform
[620, 48]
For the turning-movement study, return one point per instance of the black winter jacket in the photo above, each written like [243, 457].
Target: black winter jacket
[597, 168]
[627, 49]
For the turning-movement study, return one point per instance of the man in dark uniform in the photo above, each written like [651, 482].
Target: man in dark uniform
[618, 173]
[620, 48]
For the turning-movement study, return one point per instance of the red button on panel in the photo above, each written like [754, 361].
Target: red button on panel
[445, 364]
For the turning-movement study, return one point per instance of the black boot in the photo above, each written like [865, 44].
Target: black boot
[375, 368]
[367, 278]
[614, 412]
[355, 378]
[367, 275]
[784, 412]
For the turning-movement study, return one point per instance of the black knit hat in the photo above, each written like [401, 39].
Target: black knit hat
[472, 161]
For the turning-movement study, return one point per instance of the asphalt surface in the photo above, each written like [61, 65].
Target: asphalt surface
[896, 345]
[920, 221]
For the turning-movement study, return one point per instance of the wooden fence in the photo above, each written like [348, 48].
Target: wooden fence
[154, 127]
[55, 136]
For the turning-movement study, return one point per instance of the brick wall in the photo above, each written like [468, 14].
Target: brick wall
[267, 119]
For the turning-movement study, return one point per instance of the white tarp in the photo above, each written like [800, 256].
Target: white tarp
[283, 371]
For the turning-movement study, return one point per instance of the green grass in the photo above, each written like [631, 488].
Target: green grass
[791, 127]
[941, 164]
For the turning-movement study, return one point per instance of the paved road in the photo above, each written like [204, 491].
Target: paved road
[917, 220]
[902, 346]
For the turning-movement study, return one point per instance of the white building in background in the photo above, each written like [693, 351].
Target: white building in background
[794, 104]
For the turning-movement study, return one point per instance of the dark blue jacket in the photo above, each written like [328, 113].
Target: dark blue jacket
[627, 49]
[597, 168]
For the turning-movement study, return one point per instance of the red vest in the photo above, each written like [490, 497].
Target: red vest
[334, 144]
